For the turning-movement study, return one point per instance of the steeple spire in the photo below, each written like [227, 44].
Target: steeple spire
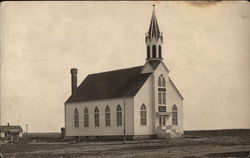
[154, 30]
[154, 39]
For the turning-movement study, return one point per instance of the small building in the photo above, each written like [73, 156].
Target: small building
[11, 133]
[136, 102]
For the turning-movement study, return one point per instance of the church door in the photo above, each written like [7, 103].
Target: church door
[162, 121]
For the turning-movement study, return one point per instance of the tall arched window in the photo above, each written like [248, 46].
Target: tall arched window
[159, 49]
[119, 115]
[143, 114]
[161, 81]
[107, 116]
[161, 90]
[174, 115]
[96, 117]
[148, 52]
[154, 51]
[86, 117]
[76, 118]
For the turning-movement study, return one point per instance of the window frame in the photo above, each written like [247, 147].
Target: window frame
[154, 53]
[107, 116]
[86, 117]
[96, 117]
[174, 115]
[159, 49]
[118, 116]
[162, 90]
[76, 118]
[148, 52]
[143, 115]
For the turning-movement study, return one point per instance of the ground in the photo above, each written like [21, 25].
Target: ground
[194, 145]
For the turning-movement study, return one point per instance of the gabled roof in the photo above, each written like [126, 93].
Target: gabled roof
[11, 129]
[108, 85]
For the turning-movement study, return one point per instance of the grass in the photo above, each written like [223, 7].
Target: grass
[194, 145]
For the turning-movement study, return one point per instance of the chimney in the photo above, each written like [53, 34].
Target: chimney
[73, 79]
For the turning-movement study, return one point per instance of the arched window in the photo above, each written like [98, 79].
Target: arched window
[174, 115]
[154, 51]
[96, 117]
[161, 90]
[143, 114]
[119, 115]
[148, 52]
[86, 117]
[159, 49]
[161, 81]
[107, 116]
[76, 118]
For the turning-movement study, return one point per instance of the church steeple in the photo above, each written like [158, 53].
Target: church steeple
[154, 39]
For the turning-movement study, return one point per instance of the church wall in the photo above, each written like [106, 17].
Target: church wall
[159, 70]
[174, 98]
[144, 95]
[102, 130]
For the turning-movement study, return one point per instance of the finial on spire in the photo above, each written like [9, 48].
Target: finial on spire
[153, 8]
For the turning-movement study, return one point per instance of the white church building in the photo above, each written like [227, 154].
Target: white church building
[135, 102]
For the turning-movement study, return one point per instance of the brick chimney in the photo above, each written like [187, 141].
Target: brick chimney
[73, 79]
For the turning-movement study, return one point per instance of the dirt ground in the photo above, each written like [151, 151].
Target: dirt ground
[215, 146]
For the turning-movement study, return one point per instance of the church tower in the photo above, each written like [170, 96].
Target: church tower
[154, 40]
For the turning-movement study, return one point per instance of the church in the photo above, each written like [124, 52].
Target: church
[136, 102]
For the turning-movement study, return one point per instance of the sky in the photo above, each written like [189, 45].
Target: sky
[206, 48]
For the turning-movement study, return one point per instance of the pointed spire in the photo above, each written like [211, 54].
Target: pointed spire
[154, 39]
[154, 30]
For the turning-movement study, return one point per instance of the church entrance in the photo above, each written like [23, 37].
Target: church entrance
[161, 129]
[162, 121]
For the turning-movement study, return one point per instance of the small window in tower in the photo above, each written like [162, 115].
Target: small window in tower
[154, 51]
[159, 51]
[148, 52]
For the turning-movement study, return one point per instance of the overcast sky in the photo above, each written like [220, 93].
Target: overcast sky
[206, 48]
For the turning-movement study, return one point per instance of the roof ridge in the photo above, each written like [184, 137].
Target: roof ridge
[115, 70]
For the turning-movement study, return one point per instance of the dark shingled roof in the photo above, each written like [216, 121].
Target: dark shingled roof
[112, 84]
[11, 129]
